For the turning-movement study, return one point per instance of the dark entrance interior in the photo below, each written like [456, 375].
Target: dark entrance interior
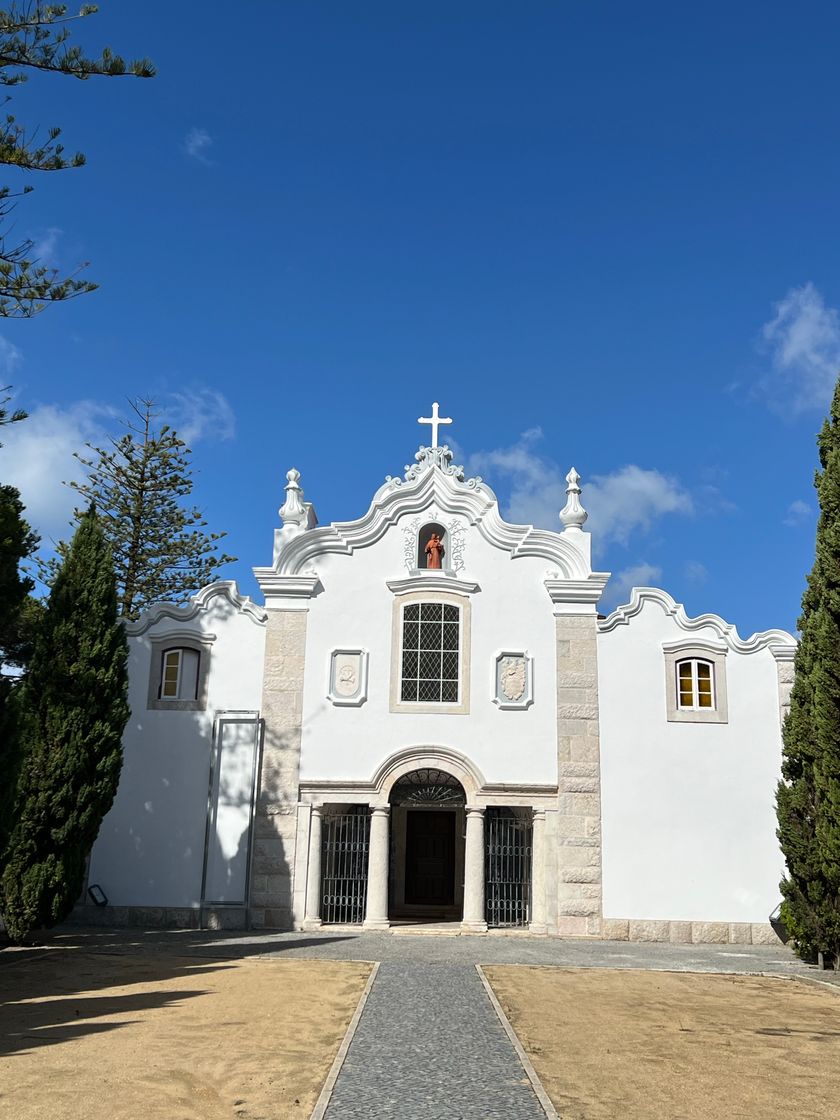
[430, 858]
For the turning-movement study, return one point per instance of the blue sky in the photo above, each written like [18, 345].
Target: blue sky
[599, 234]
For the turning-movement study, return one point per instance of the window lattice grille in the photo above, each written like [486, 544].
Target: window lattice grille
[430, 653]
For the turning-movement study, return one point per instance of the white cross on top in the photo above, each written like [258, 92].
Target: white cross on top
[435, 422]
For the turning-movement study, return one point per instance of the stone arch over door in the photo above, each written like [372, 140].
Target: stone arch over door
[428, 757]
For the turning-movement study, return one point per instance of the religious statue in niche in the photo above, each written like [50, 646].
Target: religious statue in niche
[434, 552]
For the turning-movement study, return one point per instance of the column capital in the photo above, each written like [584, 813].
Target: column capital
[475, 810]
[317, 810]
[380, 810]
[539, 814]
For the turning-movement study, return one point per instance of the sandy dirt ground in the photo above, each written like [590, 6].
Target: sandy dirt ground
[97, 1036]
[626, 1045]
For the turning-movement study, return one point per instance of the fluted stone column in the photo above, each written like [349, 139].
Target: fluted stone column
[376, 915]
[474, 918]
[313, 875]
[538, 923]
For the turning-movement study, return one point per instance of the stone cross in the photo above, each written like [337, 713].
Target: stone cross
[435, 422]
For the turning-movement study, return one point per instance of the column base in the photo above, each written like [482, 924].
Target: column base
[312, 924]
[376, 923]
[537, 927]
[474, 927]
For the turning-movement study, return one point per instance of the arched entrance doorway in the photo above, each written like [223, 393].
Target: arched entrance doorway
[426, 864]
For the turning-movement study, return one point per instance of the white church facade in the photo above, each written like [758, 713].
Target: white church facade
[429, 721]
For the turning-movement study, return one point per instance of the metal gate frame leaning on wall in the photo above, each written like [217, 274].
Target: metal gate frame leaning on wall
[222, 719]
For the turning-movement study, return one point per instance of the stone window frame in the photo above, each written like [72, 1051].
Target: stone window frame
[696, 649]
[440, 708]
[179, 639]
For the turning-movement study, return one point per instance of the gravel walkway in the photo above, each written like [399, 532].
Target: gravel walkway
[430, 1046]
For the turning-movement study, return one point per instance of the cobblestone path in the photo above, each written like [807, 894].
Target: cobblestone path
[429, 1046]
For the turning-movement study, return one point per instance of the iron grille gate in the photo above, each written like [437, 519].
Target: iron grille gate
[507, 867]
[344, 867]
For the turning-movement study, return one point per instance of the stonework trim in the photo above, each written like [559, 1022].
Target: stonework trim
[689, 933]
[577, 828]
[179, 639]
[715, 654]
[462, 708]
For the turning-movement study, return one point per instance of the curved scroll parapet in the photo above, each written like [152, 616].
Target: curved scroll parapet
[780, 642]
[432, 479]
[185, 612]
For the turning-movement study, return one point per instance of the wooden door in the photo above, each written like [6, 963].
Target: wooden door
[430, 858]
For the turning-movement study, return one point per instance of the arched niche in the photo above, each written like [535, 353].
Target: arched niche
[424, 536]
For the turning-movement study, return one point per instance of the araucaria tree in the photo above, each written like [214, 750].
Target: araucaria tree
[161, 550]
[75, 711]
[808, 797]
[34, 36]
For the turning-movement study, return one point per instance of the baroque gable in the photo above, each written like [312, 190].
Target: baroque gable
[433, 488]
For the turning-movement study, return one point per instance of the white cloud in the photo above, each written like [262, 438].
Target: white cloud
[695, 572]
[798, 512]
[197, 143]
[10, 358]
[37, 458]
[199, 413]
[620, 585]
[803, 338]
[45, 247]
[625, 501]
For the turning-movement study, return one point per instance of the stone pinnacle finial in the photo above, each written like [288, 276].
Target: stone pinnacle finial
[573, 514]
[293, 511]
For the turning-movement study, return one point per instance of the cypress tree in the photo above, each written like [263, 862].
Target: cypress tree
[17, 611]
[17, 542]
[75, 711]
[808, 796]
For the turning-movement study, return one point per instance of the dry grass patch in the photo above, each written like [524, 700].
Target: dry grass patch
[163, 1037]
[675, 1046]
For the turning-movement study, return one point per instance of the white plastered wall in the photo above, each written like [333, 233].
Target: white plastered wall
[150, 848]
[511, 611]
[688, 816]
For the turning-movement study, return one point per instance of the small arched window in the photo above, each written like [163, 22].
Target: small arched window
[423, 538]
[695, 685]
[179, 674]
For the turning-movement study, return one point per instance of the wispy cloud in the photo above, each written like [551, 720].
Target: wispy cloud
[798, 513]
[199, 413]
[622, 583]
[45, 247]
[10, 358]
[695, 572]
[626, 501]
[197, 144]
[37, 458]
[803, 340]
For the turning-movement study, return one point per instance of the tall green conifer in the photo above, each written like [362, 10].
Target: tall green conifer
[161, 551]
[808, 798]
[75, 711]
[17, 542]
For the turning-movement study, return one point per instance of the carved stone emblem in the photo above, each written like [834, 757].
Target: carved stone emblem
[348, 676]
[512, 678]
[347, 680]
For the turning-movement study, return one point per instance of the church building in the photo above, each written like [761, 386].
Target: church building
[428, 721]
